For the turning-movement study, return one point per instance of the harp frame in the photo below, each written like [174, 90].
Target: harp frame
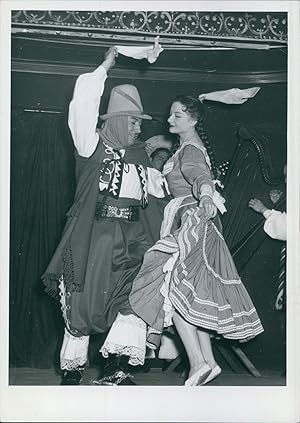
[251, 165]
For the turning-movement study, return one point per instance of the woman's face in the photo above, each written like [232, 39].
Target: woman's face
[134, 129]
[179, 120]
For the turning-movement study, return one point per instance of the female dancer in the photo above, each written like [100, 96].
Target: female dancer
[188, 277]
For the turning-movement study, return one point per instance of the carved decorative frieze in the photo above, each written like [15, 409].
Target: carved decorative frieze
[227, 25]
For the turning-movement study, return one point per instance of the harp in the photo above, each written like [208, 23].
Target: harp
[250, 175]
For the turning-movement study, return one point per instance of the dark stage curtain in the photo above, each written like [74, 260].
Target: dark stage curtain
[42, 189]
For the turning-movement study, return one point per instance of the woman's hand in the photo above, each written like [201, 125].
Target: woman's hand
[110, 57]
[209, 207]
[257, 205]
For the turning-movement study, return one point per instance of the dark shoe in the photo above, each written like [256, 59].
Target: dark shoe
[116, 372]
[72, 377]
[117, 378]
[128, 381]
[112, 364]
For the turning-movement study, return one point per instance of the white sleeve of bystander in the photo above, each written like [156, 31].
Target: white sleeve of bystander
[276, 225]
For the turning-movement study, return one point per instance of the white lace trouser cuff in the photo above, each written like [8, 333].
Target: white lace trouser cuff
[127, 336]
[74, 351]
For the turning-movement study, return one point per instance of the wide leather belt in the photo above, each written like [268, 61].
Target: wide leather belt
[129, 213]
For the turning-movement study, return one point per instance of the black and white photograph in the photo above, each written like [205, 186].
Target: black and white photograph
[151, 212]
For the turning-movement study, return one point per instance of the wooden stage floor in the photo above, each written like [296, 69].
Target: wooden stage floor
[23, 376]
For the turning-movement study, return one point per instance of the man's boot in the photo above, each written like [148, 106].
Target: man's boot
[116, 371]
[72, 377]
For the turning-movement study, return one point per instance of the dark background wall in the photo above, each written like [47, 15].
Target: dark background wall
[267, 110]
[44, 80]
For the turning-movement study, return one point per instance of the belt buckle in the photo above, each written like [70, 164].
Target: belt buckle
[111, 211]
[119, 212]
[128, 213]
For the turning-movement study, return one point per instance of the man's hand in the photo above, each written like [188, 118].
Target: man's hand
[110, 57]
[257, 205]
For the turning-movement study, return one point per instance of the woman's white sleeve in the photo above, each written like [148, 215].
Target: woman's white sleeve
[84, 110]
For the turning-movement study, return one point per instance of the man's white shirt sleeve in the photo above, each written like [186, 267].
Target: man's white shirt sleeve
[84, 110]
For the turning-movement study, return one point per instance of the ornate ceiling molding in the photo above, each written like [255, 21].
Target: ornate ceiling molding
[196, 26]
[157, 74]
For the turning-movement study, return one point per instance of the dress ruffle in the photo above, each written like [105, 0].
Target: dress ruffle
[202, 284]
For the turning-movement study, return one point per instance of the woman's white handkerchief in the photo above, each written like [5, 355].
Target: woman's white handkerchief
[232, 96]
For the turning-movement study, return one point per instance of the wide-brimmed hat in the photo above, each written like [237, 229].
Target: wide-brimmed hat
[125, 101]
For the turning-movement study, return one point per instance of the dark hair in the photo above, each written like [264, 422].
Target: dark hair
[158, 150]
[195, 110]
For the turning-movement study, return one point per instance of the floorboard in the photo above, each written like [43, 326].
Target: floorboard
[154, 377]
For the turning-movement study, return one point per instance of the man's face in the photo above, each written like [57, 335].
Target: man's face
[160, 159]
[134, 129]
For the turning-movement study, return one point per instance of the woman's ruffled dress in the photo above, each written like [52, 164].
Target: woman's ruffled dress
[191, 270]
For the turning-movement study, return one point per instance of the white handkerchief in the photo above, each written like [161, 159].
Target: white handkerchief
[219, 202]
[150, 53]
[232, 96]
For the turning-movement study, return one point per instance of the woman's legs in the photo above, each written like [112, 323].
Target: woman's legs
[197, 343]
[206, 347]
[189, 337]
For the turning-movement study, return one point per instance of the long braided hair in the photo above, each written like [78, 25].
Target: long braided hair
[195, 109]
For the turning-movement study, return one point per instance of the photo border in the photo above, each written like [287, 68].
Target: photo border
[159, 403]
